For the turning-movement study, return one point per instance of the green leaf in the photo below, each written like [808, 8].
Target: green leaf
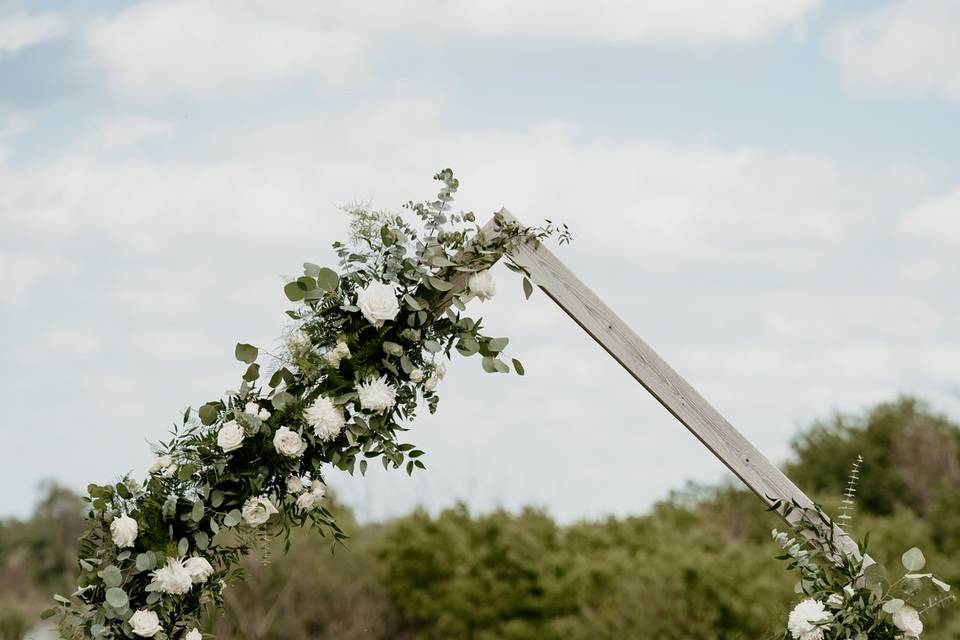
[438, 284]
[183, 546]
[246, 352]
[518, 367]
[311, 269]
[527, 288]
[208, 413]
[197, 512]
[893, 605]
[143, 562]
[328, 280]
[363, 467]
[116, 597]
[232, 519]
[913, 559]
[47, 613]
[282, 399]
[489, 364]
[184, 472]
[111, 576]
[496, 345]
[432, 346]
[253, 372]
[202, 540]
[294, 292]
[216, 498]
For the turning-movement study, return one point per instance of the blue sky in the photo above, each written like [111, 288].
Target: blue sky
[766, 190]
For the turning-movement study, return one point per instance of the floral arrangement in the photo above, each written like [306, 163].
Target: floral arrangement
[369, 346]
[845, 597]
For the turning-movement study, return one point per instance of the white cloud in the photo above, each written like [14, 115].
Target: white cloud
[21, 271]
[22, 30]
[936, 219]
[198, 48]
[907, 46]
[204, 48]
[63, 342]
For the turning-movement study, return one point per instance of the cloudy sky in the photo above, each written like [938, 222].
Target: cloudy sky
[768, 191]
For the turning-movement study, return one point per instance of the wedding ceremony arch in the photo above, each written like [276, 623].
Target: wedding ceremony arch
[367, 349]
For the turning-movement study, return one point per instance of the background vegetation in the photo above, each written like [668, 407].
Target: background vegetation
[700, 565]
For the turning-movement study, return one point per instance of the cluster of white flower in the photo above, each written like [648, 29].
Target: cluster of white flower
[288, 442]
[230, 437]
[178, 576]
[326, 418]
[339, 352]
[163, 465]
[124, 530]
[805, 620]
[309, 499]
[255, 410]
[481, 285]
[257, 510]
[378, 302]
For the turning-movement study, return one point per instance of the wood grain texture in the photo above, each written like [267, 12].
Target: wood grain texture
[665, 384]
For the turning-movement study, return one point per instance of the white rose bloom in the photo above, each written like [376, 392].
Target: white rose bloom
[230, 437]
[339, 352]
[481, 285]
[803, 619]
[256, 410]
[326, 418]
[295, 485]
[907, 619]
[199, 569]
[431, 383]
[416, 375]
[289, 443]
[378, 303]
[173, 578]
[145, 623]
[160, 463]
[124, 531]
[376, 394]
[312, 498]
[256, 511]
[194, 634]
[298, 343]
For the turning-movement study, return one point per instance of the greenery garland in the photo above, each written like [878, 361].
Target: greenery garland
[368, 347]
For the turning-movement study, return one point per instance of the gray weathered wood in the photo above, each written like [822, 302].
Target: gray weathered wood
[650, 370]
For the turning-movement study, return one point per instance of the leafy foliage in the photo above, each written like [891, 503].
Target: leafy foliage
[232, 475]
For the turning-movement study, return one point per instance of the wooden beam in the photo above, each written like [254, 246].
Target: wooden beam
[657, 377]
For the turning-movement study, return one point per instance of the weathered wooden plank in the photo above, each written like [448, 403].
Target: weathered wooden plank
[665, 384]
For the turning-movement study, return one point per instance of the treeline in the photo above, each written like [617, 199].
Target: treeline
[700, 565]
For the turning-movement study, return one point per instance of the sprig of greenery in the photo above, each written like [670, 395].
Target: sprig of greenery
[193, 503]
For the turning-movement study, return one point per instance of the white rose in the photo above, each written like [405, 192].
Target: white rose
[173, 578]
[339, 352]
[378, 303]
[907, 619]
[256, 410]
[376, 394]
[326, 418]
[124, 531]
[289, 443]
[230, 437]
[295, 485]
[416, 375]
[256, 511]
[199, 569]
[803, 620]
[145, 623]
[160, 463]
[481, 285]
[194, 634]
[309, 500]
[431, 383]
